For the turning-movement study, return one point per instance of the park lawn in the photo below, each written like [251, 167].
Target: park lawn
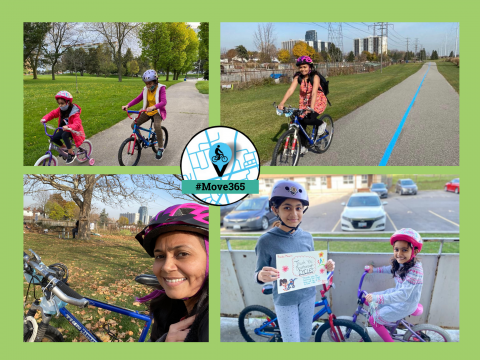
[251, 110]
[425, 182]
[100, 98]
[102, 268]
[349, 246]
[450, 72]
[202, 87]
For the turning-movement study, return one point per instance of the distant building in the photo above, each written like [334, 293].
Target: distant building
[132, 217]
[143, 212]
[289, 44]
[311, 35]
[324, 46]
[372, 44]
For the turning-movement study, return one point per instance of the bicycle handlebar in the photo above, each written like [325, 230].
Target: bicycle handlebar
[134, 112]
[54, 128]
[360, 291]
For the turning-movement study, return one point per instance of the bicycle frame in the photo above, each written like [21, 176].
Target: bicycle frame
[296, 123]
[136, 132]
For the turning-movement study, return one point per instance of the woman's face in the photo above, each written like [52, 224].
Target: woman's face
[304, 69]
[291, 212]
[180, 264]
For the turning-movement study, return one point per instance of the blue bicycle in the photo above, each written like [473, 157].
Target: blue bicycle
[258, 323]
[131, 149]
[57, 295]
[289, 147]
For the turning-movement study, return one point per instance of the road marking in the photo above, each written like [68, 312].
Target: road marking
[392, 143]
[333, 230]
[441, 217]
[391, 221]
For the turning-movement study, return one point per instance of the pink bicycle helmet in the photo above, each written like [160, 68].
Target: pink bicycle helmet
[410, 236]
[304, 60]
[65, 95]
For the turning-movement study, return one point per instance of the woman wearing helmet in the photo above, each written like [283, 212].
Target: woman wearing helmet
[68, 115]
[311, 92]
[154, 100]
[177, 238]
[289, 201]
[394, 304]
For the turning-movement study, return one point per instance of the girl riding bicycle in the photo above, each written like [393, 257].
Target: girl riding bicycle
[68, 115]
[311, 92]
[289, 201]
[394, 304]
[154, 101]
[177, 238]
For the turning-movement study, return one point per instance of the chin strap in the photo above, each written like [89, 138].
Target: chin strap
[294, 228]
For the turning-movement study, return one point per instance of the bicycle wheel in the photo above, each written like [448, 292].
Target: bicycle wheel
[325, 143]
[429, 333]
[284, 154]
[44, 161]
[254, 317]
[84, 150]
[165, 137]
[350, 318]
[125, 157]
[351, 332]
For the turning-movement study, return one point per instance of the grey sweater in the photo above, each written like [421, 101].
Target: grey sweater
[277, 241]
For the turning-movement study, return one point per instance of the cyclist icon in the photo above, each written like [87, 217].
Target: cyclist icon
[219, 155]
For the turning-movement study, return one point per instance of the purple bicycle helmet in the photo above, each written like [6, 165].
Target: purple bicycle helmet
[290, 190]
[304, 60]
[149, 75]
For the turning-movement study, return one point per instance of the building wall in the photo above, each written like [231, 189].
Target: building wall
[289, 44]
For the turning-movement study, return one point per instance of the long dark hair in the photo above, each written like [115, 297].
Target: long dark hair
[402, 271]
[311, 75]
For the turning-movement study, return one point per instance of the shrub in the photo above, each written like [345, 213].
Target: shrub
[125, 232]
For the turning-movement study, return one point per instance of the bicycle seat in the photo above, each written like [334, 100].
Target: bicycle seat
[145, 279]
[419, 310]
[267, 289]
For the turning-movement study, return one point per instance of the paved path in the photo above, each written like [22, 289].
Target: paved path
[187, 114]
[430, 134]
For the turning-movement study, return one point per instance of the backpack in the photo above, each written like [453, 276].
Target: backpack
[324, 85]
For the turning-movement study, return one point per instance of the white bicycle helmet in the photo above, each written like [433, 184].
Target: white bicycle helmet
[150, 75]
[287, 189]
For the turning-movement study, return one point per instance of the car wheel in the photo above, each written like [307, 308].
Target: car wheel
[457, 191]
[265, 223]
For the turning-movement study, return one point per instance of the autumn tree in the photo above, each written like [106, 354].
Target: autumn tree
[303, 49]
[70, 210]
[284, 56]
[231, 54]
[123, 221]
[54, 210]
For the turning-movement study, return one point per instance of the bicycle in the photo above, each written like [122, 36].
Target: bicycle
[413, 333]
[288, 148]
[259, 321]
[126, 153]
[57, 294]
[218, 157]
[82, 153]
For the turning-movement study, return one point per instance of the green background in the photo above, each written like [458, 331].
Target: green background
[13, 15]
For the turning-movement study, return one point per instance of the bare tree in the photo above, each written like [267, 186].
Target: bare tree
[172, 184]
[264, 39]
[41, 198]
[115, 34]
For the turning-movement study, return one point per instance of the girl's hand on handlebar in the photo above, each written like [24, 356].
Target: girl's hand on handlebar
[280, 106]
[369, 298]
[66, 127]
[125, 108]
[179, 331]
[43, 121]
[330, 265]
[151, 108]
[369, 268]
[268, 274]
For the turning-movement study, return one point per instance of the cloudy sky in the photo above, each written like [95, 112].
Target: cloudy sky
[431, 35]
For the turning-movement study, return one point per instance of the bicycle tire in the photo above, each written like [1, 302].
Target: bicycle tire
[357, 334]
[165, 137]
[326, 118]
[134, 160]
[279, 148]
[86, 146]
[43, 161]
[244, 315]
[422, 328]
[349, 318]
[51, 335]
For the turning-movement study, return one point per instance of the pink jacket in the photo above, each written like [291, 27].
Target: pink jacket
[162, 98]
[74, 122]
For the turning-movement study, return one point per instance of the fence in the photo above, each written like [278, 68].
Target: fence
[440, 292]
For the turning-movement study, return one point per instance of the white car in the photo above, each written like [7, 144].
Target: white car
[364, 212]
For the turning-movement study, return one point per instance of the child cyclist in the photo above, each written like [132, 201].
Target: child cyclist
[154, 101]
[394, 304]
[311, 92]
[289, 201]
[68, 115]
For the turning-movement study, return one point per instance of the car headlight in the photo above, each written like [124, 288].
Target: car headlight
[404, 189]
[226, 218]
[347, 218]
[254, 218]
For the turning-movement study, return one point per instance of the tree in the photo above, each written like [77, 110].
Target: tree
[69, 210]
[179, 40]
[139, 223]
[106, 64]
[284, 56]
[451, 54]
[335, 52]
[231, 54]
[133, 67]
[242, 52]
[103, 218]
[92, 64]
[191, 51]
[303, 49]
[75, 60]
[351, 57]
[116, 35]
[143, 65]
[57, 198]
[34, 34]
[203, 36]
[54, 210]
[41, 198]
[264, 38]
[364, 56]
[156, 45]
[122, 221]
[126, 59]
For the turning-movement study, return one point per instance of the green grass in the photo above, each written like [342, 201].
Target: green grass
[251, 110]
[202, 87]
[100, 98]
[450, 72]
[348, 246]
[103, 268]
[425, 182]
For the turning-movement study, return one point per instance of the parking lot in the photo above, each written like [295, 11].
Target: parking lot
[428, 211]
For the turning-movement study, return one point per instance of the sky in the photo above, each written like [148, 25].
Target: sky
[430, 35]
[162, 201]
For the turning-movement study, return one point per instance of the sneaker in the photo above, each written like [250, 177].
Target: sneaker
[304, 150]
[70, 158]
[321, 130]
[159, 154]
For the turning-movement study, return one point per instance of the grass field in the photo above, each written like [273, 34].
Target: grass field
[100, 98]
[251, 110]
[425, 182]
[450, 72]
[103, 268]
[348, 246]
[202, 87]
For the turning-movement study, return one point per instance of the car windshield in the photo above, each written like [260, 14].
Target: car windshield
[378, 186]
[407, 182]
[456, 181]
[364, 201]
[251, 204]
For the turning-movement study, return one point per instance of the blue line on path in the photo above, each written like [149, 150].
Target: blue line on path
[390, 146]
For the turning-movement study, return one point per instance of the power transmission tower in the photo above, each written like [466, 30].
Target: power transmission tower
[456, 40]
[416, 45]
[382, 26]
[335, 36]
[407, 47]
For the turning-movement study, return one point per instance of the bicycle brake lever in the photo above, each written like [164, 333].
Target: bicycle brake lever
[35, 255]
